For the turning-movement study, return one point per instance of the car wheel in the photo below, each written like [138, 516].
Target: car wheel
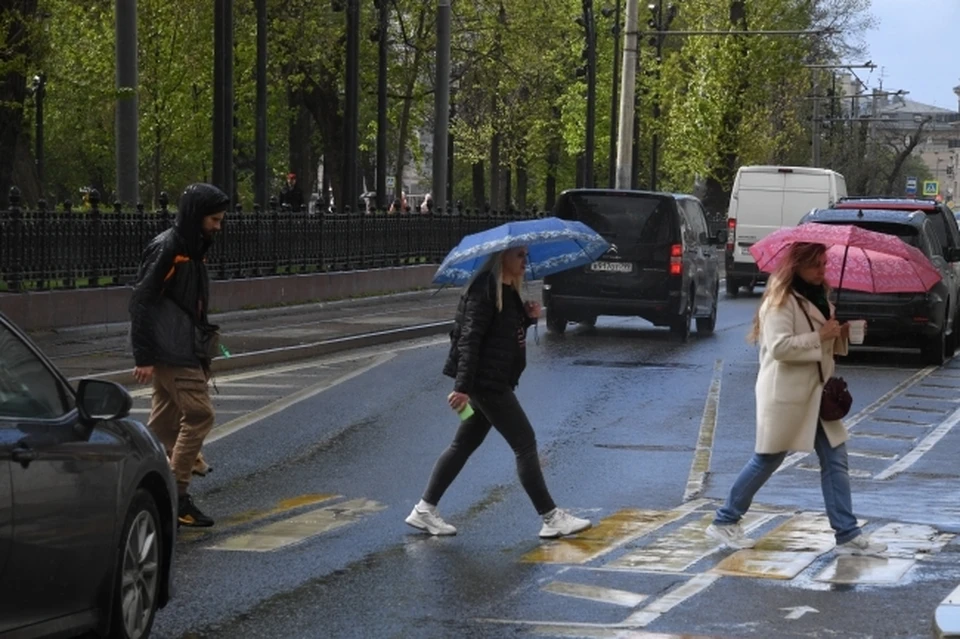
[733, 287]
[681, 324]
[708, 324]
[556, 323]
[934, 349]
[953, 342]
[137, 582]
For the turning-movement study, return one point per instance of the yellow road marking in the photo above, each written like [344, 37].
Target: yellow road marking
[249, 516]
[611, 532]
[595, 593]
[785, 552]
[681, 549]
[301, 527]
[708, 427]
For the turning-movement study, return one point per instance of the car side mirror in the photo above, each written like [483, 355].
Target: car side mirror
[952, 254]
[721, 237]
[99, 400]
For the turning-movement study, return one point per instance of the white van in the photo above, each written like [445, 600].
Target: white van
[767, 198]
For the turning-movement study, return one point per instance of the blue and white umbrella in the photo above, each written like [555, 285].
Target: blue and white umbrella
[554, 245]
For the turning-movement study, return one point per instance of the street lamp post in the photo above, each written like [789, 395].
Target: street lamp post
[351, 139]
[614, 97]
[382, 52]
[660, 23]
[39, 93]
[587, 21]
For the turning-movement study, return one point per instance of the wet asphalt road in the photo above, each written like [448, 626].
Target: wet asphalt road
[618, 412]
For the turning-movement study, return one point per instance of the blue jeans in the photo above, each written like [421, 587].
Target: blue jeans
[834, 480]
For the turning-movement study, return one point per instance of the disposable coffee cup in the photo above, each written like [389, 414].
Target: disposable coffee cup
[466, 413]
[857, 331]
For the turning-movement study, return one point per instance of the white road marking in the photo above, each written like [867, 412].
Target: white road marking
[700, 465]
[798, 611]
[652, 611]
[269, 410]
[868, 410]
[322, 362]
[920, 449]
[595, 593]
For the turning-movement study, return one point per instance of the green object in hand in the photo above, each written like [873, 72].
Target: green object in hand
[466, 413]
[224, 351]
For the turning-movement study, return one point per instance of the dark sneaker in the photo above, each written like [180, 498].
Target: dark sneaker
[189, 515]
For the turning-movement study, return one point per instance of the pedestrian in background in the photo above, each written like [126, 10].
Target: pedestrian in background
[291, 195]
[172, 338]
[487, 356]
[788, 395]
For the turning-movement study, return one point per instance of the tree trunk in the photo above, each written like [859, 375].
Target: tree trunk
[718, 186]
[553, 159]
[479, 188]
[299, 133]
[901, 157]
[522, 184]
[414, 72]
[495, 172]
[19, 15]
[506, 188]
[322, 101]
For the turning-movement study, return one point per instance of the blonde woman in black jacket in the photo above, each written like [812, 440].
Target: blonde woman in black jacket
[487, 357]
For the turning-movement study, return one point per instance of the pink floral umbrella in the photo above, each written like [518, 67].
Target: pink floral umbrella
[857, 259]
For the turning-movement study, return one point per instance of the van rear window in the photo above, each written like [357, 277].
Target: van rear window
[626, 217]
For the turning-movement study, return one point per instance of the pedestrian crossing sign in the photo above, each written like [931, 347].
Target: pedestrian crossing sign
[931, 187]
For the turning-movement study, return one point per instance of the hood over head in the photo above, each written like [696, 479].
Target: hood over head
[197, 202]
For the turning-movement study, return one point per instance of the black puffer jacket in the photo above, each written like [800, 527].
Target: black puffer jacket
[487, 346]
[172, 290]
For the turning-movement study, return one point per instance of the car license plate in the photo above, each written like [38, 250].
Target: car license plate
[612, 267]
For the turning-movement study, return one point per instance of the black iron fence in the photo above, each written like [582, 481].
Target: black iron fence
[72, 247]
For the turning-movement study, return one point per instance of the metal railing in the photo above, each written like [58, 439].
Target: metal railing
[46, 249]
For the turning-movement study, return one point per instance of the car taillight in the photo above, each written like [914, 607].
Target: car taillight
[676, 259]
[731, 232]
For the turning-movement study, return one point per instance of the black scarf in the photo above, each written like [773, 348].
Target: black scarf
[815, 293]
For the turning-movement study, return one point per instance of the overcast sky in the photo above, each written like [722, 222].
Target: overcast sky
[914, 43]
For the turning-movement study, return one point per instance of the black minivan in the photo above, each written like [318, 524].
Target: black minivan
[663, 265]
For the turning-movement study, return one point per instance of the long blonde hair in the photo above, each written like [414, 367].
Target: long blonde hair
[494, 266]
[780, 285]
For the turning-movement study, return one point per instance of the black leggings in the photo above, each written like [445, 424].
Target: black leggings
[503, 412]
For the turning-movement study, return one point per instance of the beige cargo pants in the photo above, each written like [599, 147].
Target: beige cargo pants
[181, 416]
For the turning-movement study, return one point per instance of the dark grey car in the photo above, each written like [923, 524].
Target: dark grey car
[87, 504]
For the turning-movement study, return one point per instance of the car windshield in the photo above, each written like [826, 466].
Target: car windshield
[645, 219]
[905, 232]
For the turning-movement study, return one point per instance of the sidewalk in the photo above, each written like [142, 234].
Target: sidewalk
[270, 336]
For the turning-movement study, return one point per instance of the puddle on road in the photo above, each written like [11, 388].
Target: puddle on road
[785, 552]
[676, 552]
[865, 570]
[609, 533]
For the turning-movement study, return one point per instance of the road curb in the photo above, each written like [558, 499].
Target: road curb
[946, 620]
[287, 354]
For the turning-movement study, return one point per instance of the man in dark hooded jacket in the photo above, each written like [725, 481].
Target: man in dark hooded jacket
[168, 318]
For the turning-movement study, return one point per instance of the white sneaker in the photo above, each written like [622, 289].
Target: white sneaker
[861, 545]
[559, 523]
[731, 535]
[429, 521]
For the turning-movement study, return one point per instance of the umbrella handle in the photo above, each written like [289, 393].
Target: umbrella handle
[843, 268]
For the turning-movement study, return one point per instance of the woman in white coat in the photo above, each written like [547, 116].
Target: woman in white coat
[788, 394]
